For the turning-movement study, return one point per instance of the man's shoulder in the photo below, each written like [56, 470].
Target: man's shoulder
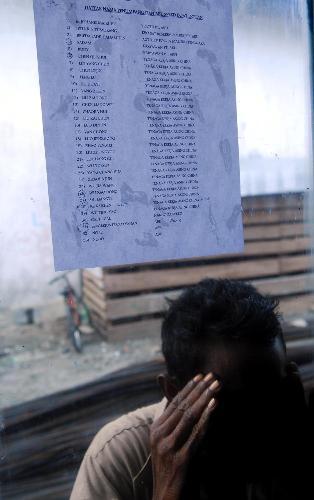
[117, 456]
[127, 433]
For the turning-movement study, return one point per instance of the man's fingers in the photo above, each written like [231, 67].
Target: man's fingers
[200, 428]
[192, 415]
[184, 409]
[173, 405]
[181, 405]
[192, 389]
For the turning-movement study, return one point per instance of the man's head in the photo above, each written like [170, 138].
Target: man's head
[226, 327]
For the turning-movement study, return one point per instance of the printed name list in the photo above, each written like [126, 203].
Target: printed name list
[139, 116]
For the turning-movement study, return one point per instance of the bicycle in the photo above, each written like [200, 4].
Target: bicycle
[77, 312]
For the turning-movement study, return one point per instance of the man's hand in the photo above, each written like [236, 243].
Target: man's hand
[176, 434]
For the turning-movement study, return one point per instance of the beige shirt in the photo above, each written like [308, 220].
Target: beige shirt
[117, 464]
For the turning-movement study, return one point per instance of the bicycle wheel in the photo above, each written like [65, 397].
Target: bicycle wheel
[76, 338]
[74, 330]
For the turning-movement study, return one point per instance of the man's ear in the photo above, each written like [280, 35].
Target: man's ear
[293, 384]
[292, 374]
[168, 385]
[292, 368]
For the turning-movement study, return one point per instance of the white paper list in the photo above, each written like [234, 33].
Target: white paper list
[139, 115]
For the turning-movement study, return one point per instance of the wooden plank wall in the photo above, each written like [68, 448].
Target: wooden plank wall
[128, 302]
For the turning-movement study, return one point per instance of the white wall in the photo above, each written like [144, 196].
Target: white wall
[273, 101]
[26, 250]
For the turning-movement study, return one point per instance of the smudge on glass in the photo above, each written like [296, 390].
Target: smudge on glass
[225, 151]
[211, 58]
[233, 219]
[147, 241]
[63, 108]
[128, 195]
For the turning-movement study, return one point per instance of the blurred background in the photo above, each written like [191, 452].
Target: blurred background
[68, 348]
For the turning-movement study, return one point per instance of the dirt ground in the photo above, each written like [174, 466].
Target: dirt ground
[37, 360]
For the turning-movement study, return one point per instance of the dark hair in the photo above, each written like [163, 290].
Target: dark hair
[212, 309]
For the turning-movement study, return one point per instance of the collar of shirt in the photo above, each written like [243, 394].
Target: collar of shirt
[143, 481]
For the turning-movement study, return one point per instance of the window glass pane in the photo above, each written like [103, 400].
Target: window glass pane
[58, 385]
